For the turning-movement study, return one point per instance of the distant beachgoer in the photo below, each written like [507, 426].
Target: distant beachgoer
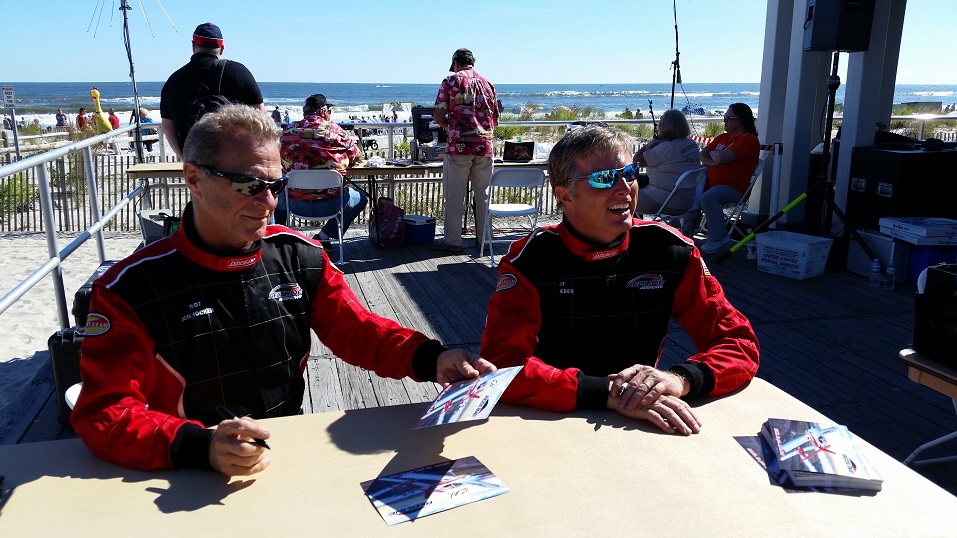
[60, 118]
[276, 115]
[395, 116]
[665, 158]
[466, 108]
[182, 87]
[145, 118]
[286, 118]
[731, 159]
[114, 119]
[7, 124]
[81, 119]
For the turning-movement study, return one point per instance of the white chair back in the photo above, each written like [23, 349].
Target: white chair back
[323, 178]
[512, 181]
[689, 179]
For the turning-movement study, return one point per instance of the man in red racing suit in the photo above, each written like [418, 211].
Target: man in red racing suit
[219, 314]
[585, 305]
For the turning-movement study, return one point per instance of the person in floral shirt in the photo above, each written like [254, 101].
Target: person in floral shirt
[317, 142]
[466, 107]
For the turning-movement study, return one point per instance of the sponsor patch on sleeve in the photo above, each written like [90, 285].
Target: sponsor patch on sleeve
[704, 267]
[96, 324]
[506, 281]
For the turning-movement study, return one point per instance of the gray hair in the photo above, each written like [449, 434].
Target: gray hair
[596, 138]
[202, 143]
[673, 125]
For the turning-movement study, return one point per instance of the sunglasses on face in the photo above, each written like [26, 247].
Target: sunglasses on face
[606, 179]
[729, 118]
[248, 185]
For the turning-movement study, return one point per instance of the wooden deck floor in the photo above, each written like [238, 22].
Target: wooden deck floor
[831, 341]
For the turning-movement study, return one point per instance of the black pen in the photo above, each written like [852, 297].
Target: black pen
[229, 415]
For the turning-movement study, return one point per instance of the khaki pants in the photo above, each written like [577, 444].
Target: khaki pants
[457, 172]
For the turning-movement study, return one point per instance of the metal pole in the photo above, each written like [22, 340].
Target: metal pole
[90, 172]
[138, 136]
[16, 139]
[46, 204]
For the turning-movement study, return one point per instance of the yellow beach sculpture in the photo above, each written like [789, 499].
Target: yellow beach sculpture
[100, 118]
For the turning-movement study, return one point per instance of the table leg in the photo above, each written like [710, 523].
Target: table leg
[909, 460]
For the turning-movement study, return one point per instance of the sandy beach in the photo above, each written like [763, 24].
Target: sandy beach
[31, 320]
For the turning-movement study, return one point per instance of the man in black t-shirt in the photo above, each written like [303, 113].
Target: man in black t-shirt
[187, 83]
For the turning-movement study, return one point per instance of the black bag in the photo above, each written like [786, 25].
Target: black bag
[65, 358]
[387, 225]
[935, 315]
[209, 100]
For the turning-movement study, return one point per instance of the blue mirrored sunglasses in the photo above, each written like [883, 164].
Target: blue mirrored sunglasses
[606, 179]
[248, 185]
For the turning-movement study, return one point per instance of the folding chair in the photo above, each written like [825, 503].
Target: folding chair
[688, 180]
[732, 212]
[515, 187]
[318, 179]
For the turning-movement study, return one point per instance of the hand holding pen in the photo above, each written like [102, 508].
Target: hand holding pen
[229, 415]
[238, 445]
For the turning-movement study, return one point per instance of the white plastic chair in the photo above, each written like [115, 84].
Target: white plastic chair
[516, 187]
[732, 212]
[690, 179]
[318, 179]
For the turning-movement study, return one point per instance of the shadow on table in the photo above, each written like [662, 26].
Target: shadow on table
[185, 490]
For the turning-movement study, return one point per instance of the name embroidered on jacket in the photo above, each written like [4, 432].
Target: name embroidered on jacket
[647, 282]
[245, 262]
[285, 292]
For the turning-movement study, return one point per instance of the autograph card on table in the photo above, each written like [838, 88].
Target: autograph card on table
[427, 490]
[469, 399]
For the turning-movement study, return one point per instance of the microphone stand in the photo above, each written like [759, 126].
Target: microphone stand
[676, 72]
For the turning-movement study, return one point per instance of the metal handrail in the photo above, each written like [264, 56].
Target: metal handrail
[46, 204]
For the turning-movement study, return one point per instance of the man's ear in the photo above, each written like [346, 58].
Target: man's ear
[564, 194]
[194, 177]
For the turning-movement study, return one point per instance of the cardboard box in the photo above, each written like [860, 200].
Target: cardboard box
[922, 226]
[882, 245]
[792, 254]
[419, 230]
[915, 239]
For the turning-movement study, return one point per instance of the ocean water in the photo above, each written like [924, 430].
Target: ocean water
[41, 99]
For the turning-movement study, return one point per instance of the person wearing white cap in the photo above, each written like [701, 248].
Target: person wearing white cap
[201, 76]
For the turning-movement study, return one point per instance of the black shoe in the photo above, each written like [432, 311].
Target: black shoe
[326, 243]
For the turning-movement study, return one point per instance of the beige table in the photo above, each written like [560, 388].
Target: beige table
[584, 474]
[163, 172]
[940, 377]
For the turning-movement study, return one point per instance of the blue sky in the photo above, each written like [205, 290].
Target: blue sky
[527, 41]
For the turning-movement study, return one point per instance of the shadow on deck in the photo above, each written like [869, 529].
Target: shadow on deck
[830, 341]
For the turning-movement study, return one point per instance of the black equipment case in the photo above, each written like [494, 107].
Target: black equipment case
[81, 300]
[65, 356]
[935, 320]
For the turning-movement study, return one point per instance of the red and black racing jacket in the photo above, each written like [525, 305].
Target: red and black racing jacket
[174, 330]
[573, 313]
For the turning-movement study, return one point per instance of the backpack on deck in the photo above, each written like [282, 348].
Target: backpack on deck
[387, 225]
[209, 100]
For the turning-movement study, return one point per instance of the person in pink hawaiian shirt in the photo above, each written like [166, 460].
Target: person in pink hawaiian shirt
[466, 107]
[317, 142]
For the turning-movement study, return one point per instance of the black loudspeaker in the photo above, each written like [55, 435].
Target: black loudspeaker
[838, 25]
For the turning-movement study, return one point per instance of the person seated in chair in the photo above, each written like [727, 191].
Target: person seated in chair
[731, 159]
[585, 305]
[317, 142]
[665, 158]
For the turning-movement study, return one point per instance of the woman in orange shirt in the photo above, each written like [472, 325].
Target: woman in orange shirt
[731, 159]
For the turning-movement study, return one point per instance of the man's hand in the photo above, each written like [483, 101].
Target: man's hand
[641, 385]
[671, 414]
[456, 364]
[232, 451]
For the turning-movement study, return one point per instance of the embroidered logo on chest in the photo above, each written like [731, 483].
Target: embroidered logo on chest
[285, 292]
[195, 310]
[647, 282]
